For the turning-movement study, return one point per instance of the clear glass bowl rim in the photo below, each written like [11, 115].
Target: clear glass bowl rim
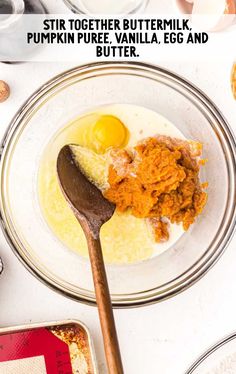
[70, 4]
[225, 134]
[211, 350]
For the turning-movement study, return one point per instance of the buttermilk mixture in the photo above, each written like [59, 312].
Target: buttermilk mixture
[144, 165]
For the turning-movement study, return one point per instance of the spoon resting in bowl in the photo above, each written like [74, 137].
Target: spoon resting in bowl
[92, 210]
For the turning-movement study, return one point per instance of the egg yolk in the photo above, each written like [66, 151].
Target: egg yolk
[108, 132]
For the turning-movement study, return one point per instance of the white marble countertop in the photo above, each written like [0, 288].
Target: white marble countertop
[164, 338]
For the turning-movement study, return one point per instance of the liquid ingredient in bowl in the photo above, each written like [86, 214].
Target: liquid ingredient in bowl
[159, 180]
[125, 238]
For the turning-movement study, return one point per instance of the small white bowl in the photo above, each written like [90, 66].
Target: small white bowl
[185, 7]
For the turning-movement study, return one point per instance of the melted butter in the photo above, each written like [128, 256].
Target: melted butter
[95, 166]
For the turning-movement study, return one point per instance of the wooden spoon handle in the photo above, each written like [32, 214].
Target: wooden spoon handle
[107, 321]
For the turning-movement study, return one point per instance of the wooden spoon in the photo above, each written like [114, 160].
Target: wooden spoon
[92, 210]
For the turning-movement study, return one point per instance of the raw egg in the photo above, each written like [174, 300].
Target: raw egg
[100, 132]
[109, 132]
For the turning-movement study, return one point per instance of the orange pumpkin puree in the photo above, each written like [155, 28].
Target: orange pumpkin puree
[158, 179]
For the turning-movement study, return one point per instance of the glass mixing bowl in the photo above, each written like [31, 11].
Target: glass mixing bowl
[58, 102]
